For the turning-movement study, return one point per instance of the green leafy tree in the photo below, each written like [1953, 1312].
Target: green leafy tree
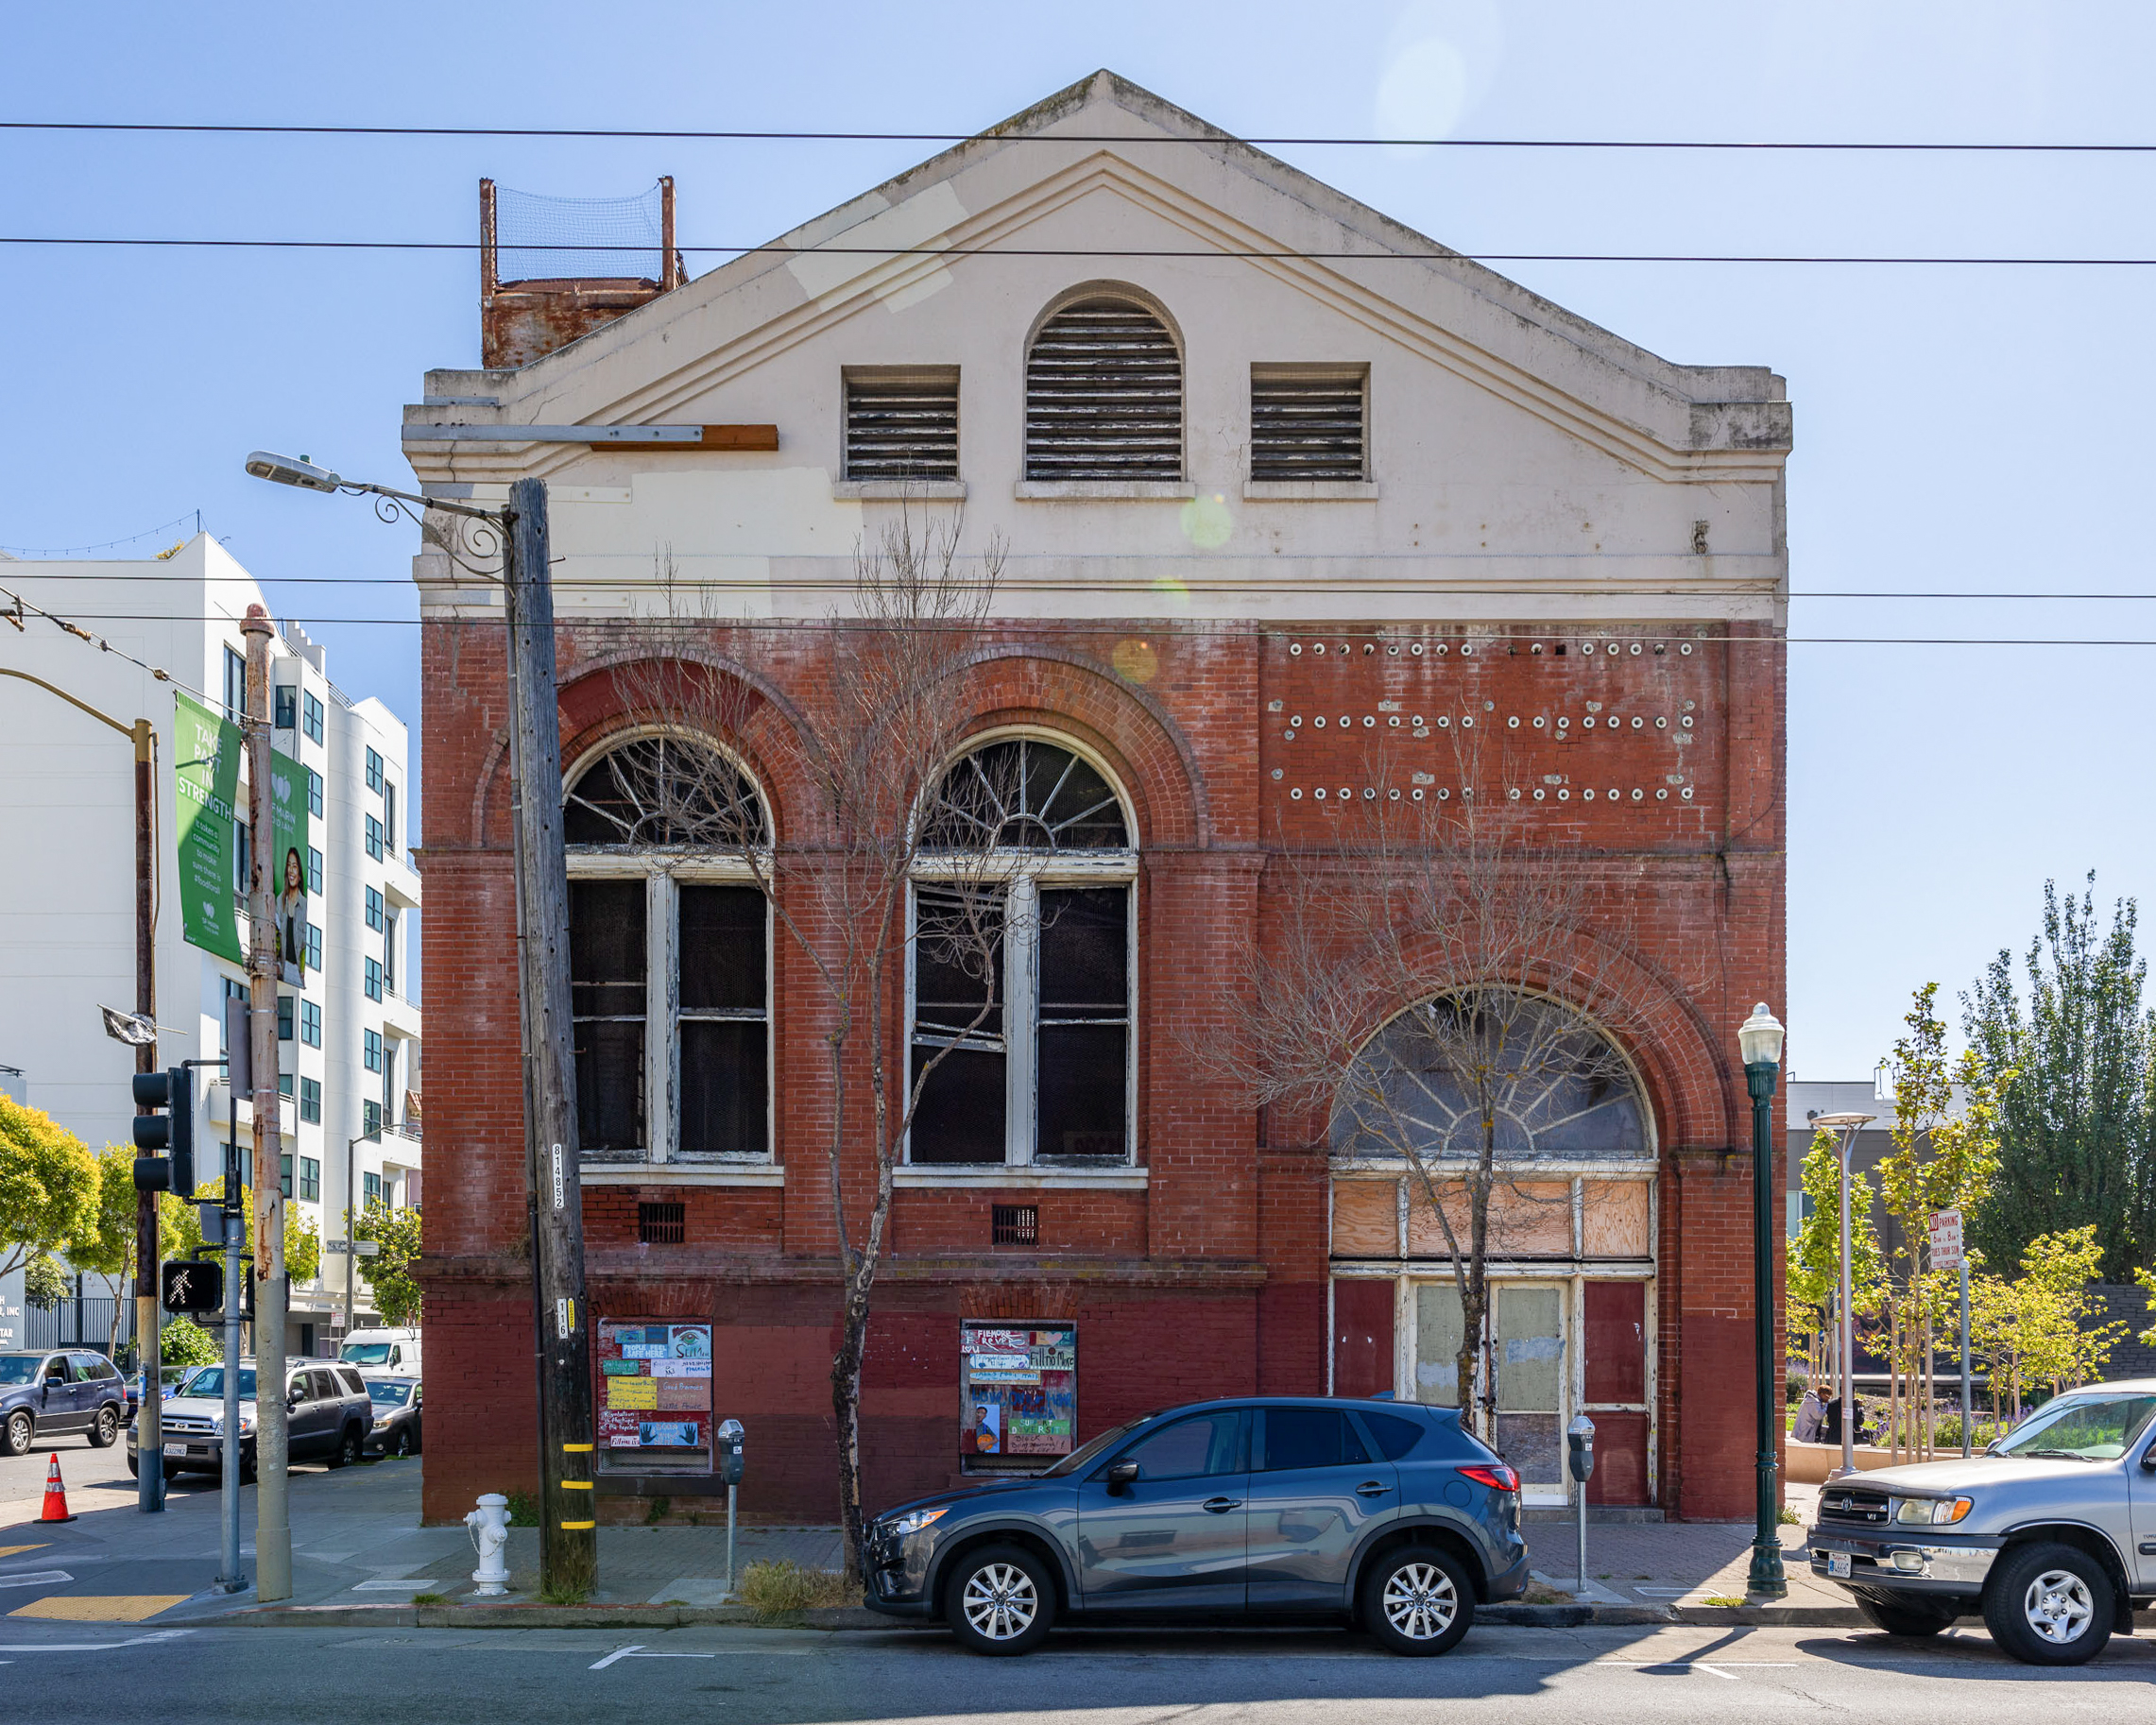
[45, 1283]
[106, 1248]
[182, 1341]
[48, 1185]
[388, 1274]
[2075, 1117]
[2034, 1331]
[2147, 1280]
[302, 1244]
[1815, 1254]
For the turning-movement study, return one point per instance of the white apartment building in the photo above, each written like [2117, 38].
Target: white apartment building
[349, 1029]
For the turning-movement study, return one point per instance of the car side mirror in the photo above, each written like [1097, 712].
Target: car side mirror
[1122, 1476]
[2149, 1459]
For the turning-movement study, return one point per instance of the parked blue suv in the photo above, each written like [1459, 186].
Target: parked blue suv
[1383, 1512]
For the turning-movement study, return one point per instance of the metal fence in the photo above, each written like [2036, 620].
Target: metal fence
[85, 1323]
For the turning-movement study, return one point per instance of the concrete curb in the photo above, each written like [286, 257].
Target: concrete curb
[857, 1617]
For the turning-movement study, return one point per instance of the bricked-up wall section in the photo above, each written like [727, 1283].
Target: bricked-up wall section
[1211, 1279]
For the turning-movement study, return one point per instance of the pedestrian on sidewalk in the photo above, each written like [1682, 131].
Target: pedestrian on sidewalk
[1811, 1415]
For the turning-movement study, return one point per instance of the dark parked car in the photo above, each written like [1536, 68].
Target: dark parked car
[49, 1394]
[328, 1413]
[169, 1380]
[396, 1399]
[1386, 1513]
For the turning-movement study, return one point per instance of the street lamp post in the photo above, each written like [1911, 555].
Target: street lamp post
[1759, 1040]
[1848, 1125]
[568, 1526]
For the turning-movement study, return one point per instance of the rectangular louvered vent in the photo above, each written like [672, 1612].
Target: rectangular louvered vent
[1306, 425]
[902, 428]
[1104, 396]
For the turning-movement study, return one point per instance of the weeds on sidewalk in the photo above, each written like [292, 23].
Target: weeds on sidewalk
[430, 1599]
[523, 1509]
[775, 1587]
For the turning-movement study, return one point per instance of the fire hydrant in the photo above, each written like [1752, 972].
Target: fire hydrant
[489, 1528]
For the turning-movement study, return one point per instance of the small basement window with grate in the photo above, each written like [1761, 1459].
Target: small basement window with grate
[1309, 424]
[901, 427]
[1104, 395]
[1014, 1225]
[662, 1224]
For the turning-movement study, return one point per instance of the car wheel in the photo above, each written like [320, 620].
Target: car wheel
[1417, 1600]
[2049, 1604]
[1906, 1613]
[133, 1468]
[1000, 1600]
[16, 1434]
[246, 1468]
[347, 1451]
[404, 1442]
[106, 1430]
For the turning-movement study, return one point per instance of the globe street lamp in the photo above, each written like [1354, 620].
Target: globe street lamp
[1759, 1040]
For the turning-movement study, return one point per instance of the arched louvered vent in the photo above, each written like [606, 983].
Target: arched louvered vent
[1103, 395]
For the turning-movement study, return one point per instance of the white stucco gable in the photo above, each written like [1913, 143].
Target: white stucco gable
[1514, 447]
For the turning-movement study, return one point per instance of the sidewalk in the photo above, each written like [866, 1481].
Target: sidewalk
[357, 1543]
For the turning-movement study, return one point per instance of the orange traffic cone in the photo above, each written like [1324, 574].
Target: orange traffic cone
[56, 1495]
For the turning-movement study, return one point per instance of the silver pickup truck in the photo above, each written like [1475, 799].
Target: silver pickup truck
[2050, 1534]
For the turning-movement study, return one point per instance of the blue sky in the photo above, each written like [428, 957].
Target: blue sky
[1963, 430]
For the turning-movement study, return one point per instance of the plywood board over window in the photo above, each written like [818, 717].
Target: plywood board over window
[1530, 1219]
[1615, 1219]
[1365, 1218]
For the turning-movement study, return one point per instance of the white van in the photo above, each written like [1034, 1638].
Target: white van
[381, 1351]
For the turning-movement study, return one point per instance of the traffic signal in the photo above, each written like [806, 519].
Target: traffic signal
[172, 1132]
[192, 1287]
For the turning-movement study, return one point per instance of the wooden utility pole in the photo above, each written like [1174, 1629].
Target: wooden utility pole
[273, 1519]
[568, 1540]
[149, 1419]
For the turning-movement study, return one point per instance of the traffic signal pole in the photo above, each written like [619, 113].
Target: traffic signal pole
[272, 1510]
[149, 1416]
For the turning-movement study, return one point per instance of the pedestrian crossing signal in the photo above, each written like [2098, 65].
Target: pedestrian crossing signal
[192, 1286]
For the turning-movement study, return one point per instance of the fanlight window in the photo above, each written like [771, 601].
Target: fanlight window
[1552, 1086]
[663, 792]
[1024, 794]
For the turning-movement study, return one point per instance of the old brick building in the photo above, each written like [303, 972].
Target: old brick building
[1343, 499]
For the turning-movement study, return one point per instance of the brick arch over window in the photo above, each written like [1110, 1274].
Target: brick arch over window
[594, 709]
[1668, 1040]
[1062, 690]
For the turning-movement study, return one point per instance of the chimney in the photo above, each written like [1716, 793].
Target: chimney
[527, 318]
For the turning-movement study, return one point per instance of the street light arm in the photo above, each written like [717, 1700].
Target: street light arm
[500, 518]
[126, 730]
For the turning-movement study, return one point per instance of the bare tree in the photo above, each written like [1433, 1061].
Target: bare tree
[878, 860]
[1427, 993]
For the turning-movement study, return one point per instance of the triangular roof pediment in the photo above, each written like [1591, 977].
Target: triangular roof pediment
[1208, 194]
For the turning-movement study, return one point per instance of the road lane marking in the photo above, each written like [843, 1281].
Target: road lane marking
[36, 1578]
[18, 1550]
[617, 1653]
[89, 1646]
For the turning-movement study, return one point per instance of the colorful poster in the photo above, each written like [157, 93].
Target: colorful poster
[655, 1390]
[205, 789]
[288, 860]
[1020, 1393]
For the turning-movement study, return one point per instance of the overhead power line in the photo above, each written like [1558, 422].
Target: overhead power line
[1760, 145]
[1206, 253]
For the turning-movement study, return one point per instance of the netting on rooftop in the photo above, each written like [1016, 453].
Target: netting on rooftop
[538, 237]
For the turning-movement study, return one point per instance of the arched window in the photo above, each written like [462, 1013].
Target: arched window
[669, 955]
[1552, 1086]
[1104, 394]
[1023, 979]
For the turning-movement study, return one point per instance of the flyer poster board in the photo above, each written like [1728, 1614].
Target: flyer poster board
[205, 789]
[1020, 1390]
[655, 1395]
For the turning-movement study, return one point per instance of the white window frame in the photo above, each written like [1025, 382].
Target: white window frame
[1026, 873]
[664, 873]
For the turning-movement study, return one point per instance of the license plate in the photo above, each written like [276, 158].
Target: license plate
[1837, 1563]
[176, 1449]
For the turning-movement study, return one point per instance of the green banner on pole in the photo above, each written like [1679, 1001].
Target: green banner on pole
[288, 862]
[205, 782]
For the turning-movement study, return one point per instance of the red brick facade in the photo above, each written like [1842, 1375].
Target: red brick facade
[1213, 1278]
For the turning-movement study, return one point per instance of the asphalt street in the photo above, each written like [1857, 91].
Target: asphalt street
[123, 1672]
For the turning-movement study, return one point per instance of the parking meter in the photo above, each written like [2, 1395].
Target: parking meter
[729, 1452]
[1580, 1439]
